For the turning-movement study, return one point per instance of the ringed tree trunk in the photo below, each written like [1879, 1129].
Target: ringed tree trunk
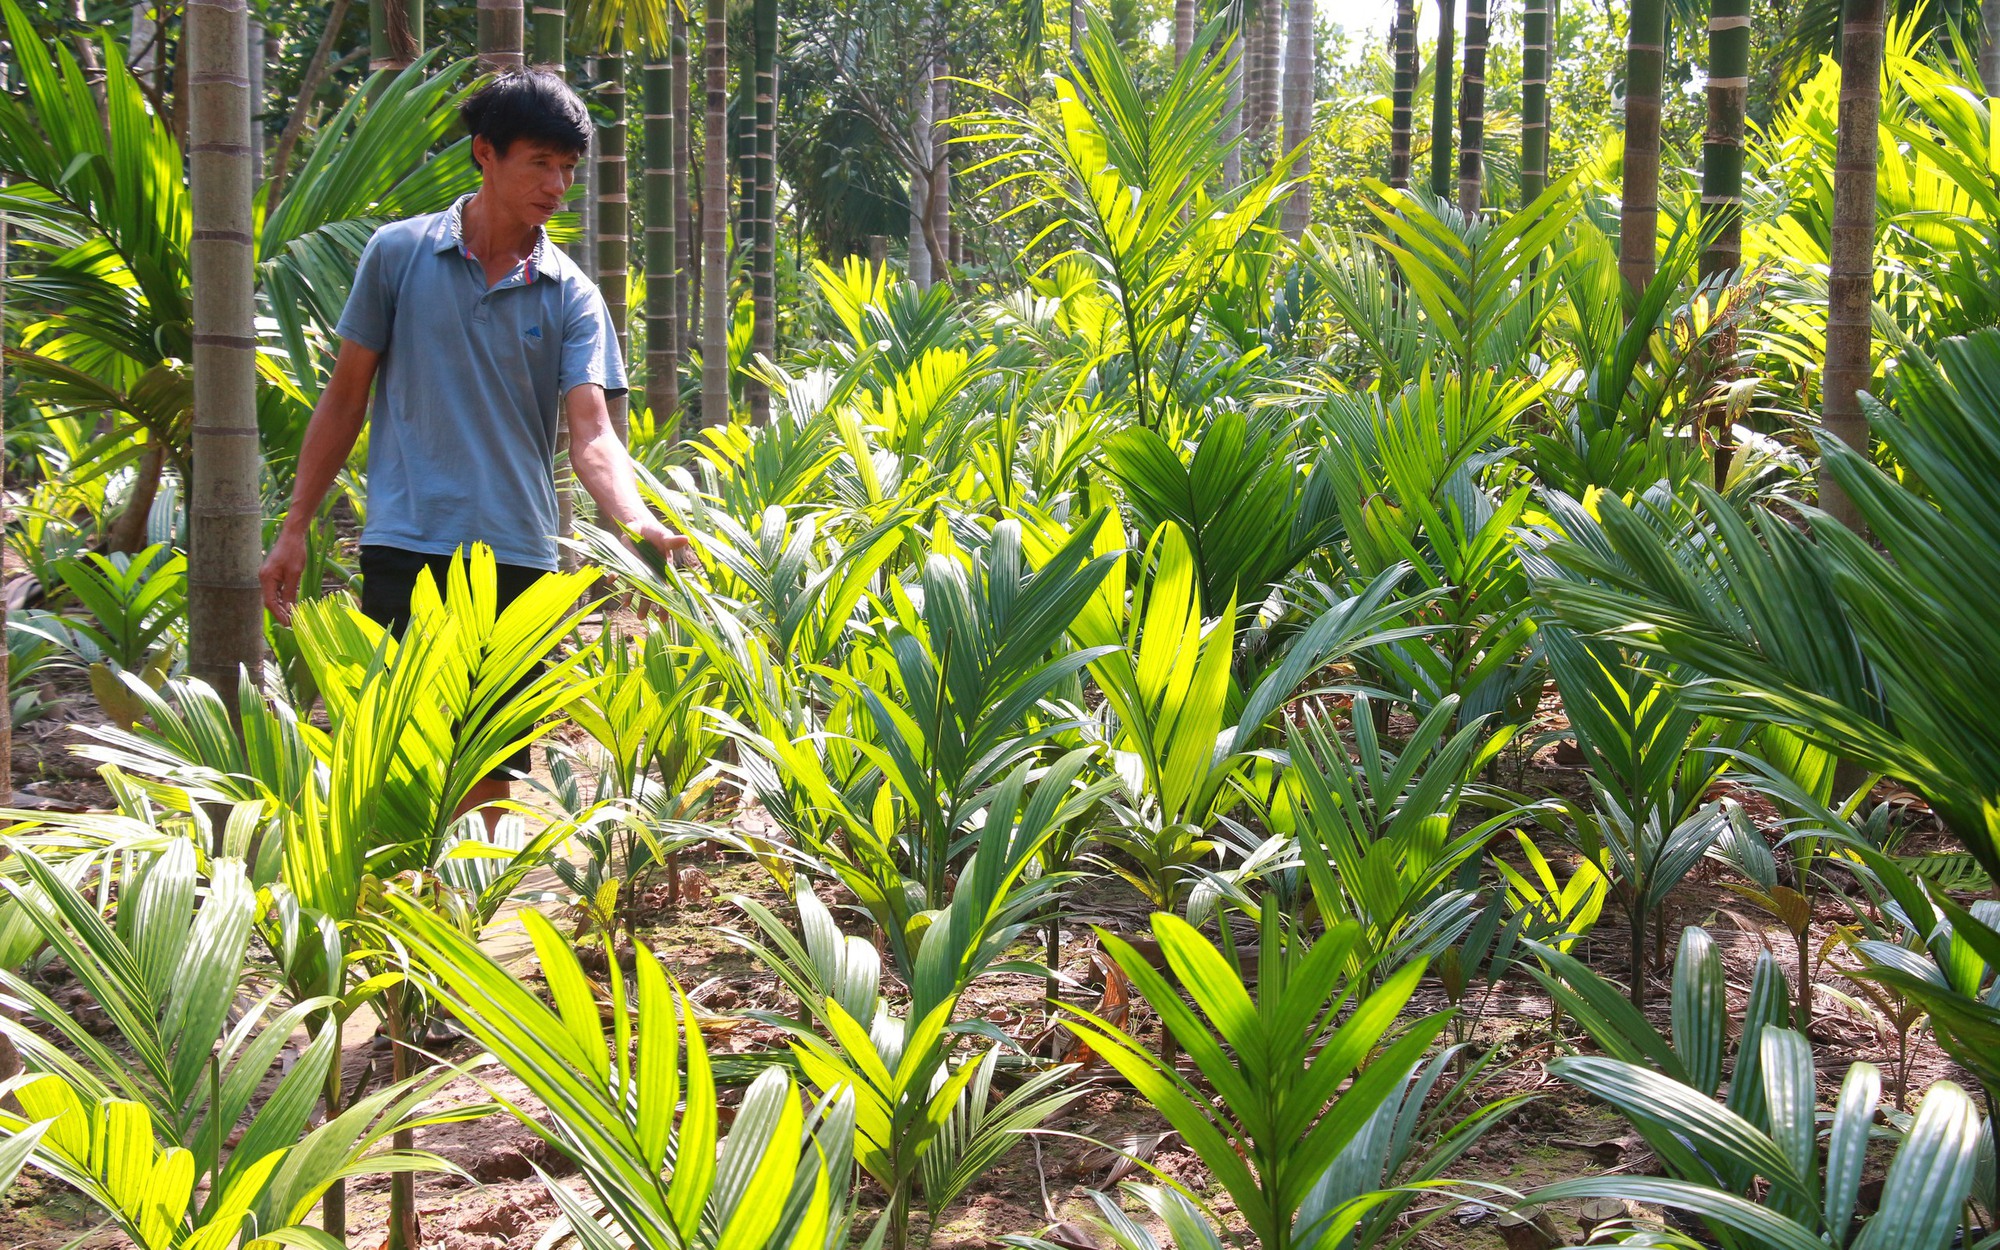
[1722, 186]
[1272, 28]
[614, 218]
[938, 236]
[764, 232]
[1851, 277]
[1639, 218]
[1472, 111]
[715, 218]
[1184, 24]
[1989, 46]
[1299, 99]
[395, 34]
[684, 245]
[1441, 98]
[549, 35]
[501, 32]
[1402, 95]
[662, 242]
[921, 138]
[1536, 32]
[225, 602]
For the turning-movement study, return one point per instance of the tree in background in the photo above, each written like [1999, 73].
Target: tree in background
[659, 120]
[764, 223]
[1441, 99]
[1850, 287]
[1300, 93]
[1472, 110]
[225, 507]
[1639, 213]
[1537, 39]
[715, 308]
[501, 35]
[1403, 92]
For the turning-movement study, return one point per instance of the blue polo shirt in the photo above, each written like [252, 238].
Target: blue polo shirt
[469, 393]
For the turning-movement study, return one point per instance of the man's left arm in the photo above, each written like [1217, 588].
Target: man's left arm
[605, 470]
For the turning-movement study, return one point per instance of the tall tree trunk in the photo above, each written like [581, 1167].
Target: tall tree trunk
[1441, 98]
[919, 266]
[764, 244]
[1076, 27]
[1472, 111]
[1299, 98]
[226, 540]
[549, 36]
[302, 105]
[1989, 46]
[257, 58]
[1851, 272]
[938, 236]
[662, 238]
[1536, 31]
[684, 242]
[715, 219]
[1722, 145]
[1236, 123]
[1403, 90]
[1639, 218]
[395, 34]
[1273, 33]
[614, 217]
[1184, 24]
[501, 35]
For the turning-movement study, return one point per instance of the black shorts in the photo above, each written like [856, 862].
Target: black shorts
[389, 577]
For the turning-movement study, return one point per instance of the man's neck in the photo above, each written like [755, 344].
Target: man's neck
[490, 232]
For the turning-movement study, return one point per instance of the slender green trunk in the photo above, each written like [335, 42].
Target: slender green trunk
[501, 32]
[614, 217]
[1722, 183]
[1638, 961]
[1851, 278]
[1299, 97]
[1472, 111]
[684, 241]
[1639, 218]
[1441, 99]
[395, 34]
[764, 245]
[1536, 40]
[715, 219]
[403, 1231]
[1403, 92]
[549, 34]
[225, 506]
[333, 1207]
[662, 254]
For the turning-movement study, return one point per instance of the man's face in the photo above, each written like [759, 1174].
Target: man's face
[531, 179]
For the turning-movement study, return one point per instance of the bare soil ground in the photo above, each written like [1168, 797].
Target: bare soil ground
[500, 1204]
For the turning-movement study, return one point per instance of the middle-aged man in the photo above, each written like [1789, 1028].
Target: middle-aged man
[477, 334]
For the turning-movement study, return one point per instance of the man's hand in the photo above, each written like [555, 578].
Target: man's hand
[673, 548]
[281, 572]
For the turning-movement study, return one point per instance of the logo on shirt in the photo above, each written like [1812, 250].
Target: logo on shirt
[534, 332]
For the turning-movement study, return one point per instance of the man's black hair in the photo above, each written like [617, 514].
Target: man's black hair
[530, 104]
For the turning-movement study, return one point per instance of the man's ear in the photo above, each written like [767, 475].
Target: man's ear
[482, 152]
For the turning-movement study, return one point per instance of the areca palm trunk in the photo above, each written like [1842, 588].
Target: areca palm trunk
[549, 35]
[764, 246]
[395, 34]
[1403, 92]
[614, 218]
[1535, 46]
[684, 246]
[919, 266]
[1639, 218]
[225, 508]
[715, 217]
[1184, 23]
[1272, 28]
[1722, 145]
[662, 255]
[940, 233]
[1441, 99]
[1299, 96]
[501, 34]
[1472, 111]
[1851, 271]
[1989, 45]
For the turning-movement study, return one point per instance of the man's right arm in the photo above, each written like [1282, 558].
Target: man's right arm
[336, 422]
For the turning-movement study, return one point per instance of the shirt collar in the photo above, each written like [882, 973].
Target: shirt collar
[453, 236]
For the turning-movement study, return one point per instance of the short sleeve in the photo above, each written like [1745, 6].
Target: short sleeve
[370, 315]
[590, 344]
